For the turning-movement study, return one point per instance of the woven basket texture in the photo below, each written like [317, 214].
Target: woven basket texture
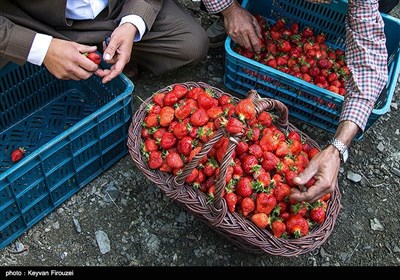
[240, 231]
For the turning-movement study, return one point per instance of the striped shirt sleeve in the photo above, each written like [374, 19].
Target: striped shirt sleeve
[366, 57]
[216, 6]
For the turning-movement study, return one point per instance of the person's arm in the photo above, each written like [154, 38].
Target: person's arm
[366, 57]
[15, 41]
[240, 25]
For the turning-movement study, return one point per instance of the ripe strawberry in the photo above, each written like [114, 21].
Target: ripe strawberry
[215, 112]
[255, 150]
[210, 167]
[174, 160]
[183, 111]
[150, 145]
[269, 161]
[231, 201]
[317, 212]
[224, 99]
[18, 154]
[192, 176]
[294, 28]
[253, 134]
[167, 114]
[297, 225]
[180, 130]
[234, 126]
[265, 202]
[151, 120]
[168, 140]
[289, 176]
[155, 160]
[158, 98]
[244, 187]
[241, 148]
[310, 183]
[261, 220]
[280, 23]
[165, 167]
[247, 206]
[170, 98]
[180, 90]
[145, 133]
[158, 133]
[284, 46]
[278, 228]
[185, 145]
[94, 56]
[205, 101]
[199, 117]
[246, 109]
[250, 164]
[281, 191]
[312, 152]
[265, 119]
[307, 32]
[282, 149]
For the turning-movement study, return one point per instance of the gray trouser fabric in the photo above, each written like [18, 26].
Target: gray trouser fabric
[175, 40]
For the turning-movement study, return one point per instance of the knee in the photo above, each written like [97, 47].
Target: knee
[195, 47]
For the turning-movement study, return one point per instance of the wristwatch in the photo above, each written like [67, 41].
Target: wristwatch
[342, 148]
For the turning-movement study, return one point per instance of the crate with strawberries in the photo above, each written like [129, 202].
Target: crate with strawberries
[302, 63]
[226, 158]
[301, 53]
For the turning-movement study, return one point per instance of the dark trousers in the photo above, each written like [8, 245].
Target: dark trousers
[385, 6]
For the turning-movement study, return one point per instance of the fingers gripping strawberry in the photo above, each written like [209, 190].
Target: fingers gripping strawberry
[93, 56]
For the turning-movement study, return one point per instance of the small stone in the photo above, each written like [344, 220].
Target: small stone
[19, 247]
[102, 241]
[353, 177]
[181, 218]
[63, 255]
[77, 225]
[393, 106]
[396, 171]
[381, 147]
[376, 225]
[111, 193]
[56, 225]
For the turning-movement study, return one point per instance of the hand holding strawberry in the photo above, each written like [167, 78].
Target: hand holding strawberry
[93, 56]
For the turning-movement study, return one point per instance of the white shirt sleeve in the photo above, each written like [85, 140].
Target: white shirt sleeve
[39, 48]
[138, 22]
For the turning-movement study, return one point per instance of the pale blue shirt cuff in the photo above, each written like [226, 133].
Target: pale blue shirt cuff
[40, 45]
[138, 22]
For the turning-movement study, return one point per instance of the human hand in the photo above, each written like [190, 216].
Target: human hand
[324, 168]
[65, 60]
[118, 51]
[242, 27]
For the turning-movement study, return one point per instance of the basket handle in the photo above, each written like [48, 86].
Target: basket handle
[266, 104]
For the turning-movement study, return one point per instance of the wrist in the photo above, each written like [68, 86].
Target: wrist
[231, 9]
[339, 148]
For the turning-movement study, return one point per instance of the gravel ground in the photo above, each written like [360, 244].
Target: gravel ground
[141, 227]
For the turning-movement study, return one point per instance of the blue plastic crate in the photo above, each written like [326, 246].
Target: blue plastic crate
[72, 131]
[305, 101]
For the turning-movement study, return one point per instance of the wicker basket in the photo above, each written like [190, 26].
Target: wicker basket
[239, 230]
